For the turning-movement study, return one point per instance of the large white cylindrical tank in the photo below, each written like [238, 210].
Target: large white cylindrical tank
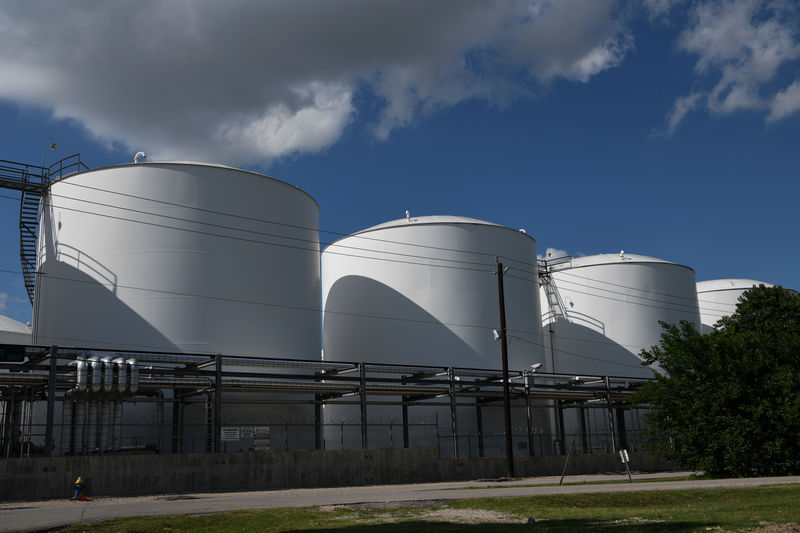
[185, 257]
[422, 291]
[14, 332]
[601, 311]
[719, 297]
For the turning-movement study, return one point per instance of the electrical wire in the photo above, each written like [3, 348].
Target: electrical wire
[296, 226]
[582, 356]
[705, 308]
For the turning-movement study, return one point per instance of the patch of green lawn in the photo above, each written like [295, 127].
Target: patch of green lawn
[740, 509]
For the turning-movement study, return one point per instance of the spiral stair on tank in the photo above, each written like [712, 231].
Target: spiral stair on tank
[33, 182]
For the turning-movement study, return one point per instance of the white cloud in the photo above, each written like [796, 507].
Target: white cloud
[740, 46]
[660, 8]
[785, 102]
[553, 253]
[253, 80]
[680, 109]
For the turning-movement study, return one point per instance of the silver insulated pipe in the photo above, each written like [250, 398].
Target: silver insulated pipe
[133, 367]
[108, 374]
[97, 373]
[122, 374]
[80, 374]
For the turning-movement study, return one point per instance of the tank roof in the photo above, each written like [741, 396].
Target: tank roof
[729, 284]
[430, 219]
[196, 164]
[10, 325]
[612, 259]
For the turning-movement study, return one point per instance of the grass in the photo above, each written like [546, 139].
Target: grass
[740, 509]
[594, 482]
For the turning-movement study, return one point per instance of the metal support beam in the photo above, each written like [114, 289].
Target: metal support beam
[177, 422]
[529, 411]
[621, 429]
[362, 392]
[218, 405]
[504, 355]
[610, 407]
[479, 423]
[562, 434]
[584, 433]
[453, 411]
[405, 422]
[49, 442]
[317, 415]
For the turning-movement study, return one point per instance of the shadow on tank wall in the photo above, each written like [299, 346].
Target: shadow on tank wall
[367, 320]
[100, 319]
[579, 347]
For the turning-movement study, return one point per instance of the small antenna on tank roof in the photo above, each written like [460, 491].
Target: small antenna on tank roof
[622, 254]
[408, 216]
[139, 156]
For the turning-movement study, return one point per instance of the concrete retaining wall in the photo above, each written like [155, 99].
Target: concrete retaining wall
[130, 475]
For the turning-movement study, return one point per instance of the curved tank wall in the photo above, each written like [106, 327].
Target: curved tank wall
[173, 257]
[600, 311]
[183, 257]
[719, 297]
[422, 291]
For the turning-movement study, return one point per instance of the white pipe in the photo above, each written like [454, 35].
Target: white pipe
[97, 371]
[80, 374]
[108, 374]
[122, 374]
[134, 377]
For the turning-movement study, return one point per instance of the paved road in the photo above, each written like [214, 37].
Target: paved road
[43, 515]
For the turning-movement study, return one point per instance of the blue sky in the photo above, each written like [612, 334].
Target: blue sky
[662, 127]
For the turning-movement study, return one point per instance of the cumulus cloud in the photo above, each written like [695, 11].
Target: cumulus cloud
[740, 47]
[553, 253]
[253, 80]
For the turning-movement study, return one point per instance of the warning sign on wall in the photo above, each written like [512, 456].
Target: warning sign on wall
[261, 438]
[230, 433]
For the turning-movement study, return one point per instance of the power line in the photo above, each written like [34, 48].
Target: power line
[296, 226]
[277, 236]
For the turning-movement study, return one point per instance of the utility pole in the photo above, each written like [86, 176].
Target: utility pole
[504, 350]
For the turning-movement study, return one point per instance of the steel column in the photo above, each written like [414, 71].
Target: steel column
[362, 392]
[49, 443]
[610, 406]
[218, 404]
[453, 411]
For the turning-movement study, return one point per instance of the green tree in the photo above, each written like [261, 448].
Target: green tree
[728, 402]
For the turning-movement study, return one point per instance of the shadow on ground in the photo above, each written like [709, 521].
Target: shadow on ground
[423, 526]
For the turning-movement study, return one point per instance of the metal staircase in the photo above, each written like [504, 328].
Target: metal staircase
[555, 306]
[28, 237]
[33, 182]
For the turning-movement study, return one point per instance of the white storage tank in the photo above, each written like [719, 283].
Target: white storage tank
[185, 257]
[719, 297]
[13, 331]
[601, 311]
[421, 291]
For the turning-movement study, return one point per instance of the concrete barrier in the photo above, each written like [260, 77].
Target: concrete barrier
[131, 475]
